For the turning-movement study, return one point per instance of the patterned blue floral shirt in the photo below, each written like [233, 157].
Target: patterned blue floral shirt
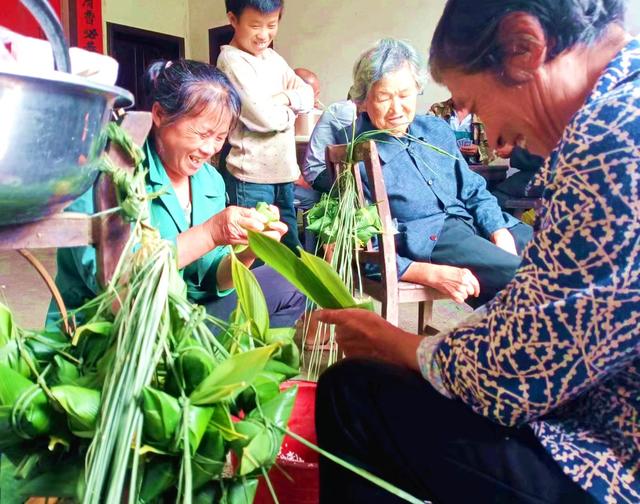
[559, 348]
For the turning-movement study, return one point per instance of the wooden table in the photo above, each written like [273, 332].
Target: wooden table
[493, 173]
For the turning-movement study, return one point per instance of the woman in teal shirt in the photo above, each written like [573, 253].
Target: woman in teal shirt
[193, 106]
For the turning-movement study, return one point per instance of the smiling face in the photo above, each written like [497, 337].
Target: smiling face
[186, 144]
[391, 102]
[254, 30]
[510, 113]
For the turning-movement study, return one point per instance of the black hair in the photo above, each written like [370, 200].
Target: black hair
[467, 35]
[187, 88]
[264, 6]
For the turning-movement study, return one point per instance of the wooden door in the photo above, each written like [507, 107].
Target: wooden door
[135, 49]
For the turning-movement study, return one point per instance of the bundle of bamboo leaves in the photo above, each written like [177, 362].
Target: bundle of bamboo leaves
[143, 403]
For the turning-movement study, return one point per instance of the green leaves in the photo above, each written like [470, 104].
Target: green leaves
[81, 405]
[162, 415]
[251, 300]
[7, 326]
[232, 376]
[263, 439]
[317, 281]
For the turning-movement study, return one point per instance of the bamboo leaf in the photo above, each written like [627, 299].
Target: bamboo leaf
[101, 327]
[278, 410]
[12, 385]
[198, 422]
[285, 262]
[7, 326]
[64, 481]
[7, 435]
[159, 476]
[162, 415]
[241, 492]
[232, 376]
[209, 461]
[329, 278]
[81, 405]
[221, 421]
[250, 297]
[261, 451]
[10, 357]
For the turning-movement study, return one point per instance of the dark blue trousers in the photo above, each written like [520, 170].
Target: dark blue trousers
[459, 244]
[390, 421]
[248, 194]
[284, 302]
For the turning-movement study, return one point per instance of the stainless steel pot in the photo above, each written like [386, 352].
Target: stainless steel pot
[50, 134]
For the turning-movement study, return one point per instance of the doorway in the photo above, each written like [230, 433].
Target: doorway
[135, 49]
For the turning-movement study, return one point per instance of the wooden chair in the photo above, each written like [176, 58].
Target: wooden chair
[390, 291]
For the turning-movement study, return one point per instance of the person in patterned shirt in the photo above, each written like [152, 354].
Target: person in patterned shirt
[536, 398]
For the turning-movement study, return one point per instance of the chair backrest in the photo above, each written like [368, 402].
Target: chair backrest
[385, 254]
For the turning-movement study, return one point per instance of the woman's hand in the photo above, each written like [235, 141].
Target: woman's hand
[230, 226]
[504, 239]
[361, 333]
[505, 151]
[457, 283]
[275, 229]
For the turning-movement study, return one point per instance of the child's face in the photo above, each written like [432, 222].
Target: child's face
[254, 31]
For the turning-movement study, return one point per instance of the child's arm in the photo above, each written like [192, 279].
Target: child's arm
[300, 94]
[261, 112]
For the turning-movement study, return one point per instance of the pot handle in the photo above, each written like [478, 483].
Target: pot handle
[48, 21]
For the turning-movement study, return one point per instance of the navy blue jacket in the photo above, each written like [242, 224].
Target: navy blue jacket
[425, 186]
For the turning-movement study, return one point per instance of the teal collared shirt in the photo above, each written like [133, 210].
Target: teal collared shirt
[76, 276]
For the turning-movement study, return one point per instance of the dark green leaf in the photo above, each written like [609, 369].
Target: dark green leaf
[241, 492]
[210, 459]
[162, 414]
[82, 406]
[198, 421]
[160, 474]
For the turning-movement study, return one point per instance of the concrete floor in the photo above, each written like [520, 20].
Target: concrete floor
[22, 289]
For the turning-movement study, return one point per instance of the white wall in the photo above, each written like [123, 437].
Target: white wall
[163, 16]
[327, 36]
[204, 14]
[633, 16]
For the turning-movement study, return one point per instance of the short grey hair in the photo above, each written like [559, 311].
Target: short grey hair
[386, 56]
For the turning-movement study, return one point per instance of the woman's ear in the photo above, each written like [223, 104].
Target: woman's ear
[523, 44]
[157, 114]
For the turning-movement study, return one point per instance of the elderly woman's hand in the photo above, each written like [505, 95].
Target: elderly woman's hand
[361, 333]
[457, 283]
[504, 239]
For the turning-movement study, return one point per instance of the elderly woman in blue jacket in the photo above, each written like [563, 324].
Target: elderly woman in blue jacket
[452, 234]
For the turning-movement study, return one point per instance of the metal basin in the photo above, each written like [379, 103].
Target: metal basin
[50, 141]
